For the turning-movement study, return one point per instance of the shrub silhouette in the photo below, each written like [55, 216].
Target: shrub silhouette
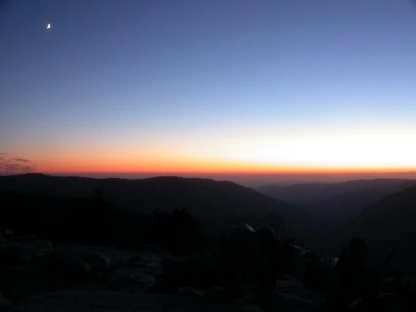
[177, 230]
[96, 220]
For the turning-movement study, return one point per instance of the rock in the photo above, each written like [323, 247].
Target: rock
[289, 302]
[136, 259]
[352, 263]
[79, 266]
[121, 262]
[188, 271]
[133, 279]
[235, 253]
[69, 265]
[24, 258]
[294, 259]
[273, 221]
[24, 238]
[82, 301]
[99, 262]
[16, 251]
[4, 302]
[154, 250]
[290, 286]
[190, 291]
[78, 263]
[5, 231]
[37, 248]
[219, 289]
[145, 281]
[78, 300]
[237, 246]
[150, 262]
[317, 275]
[14, 255]
[330, 262]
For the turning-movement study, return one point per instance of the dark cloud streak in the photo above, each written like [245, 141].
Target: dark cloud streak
[15, 165]
[22, 160]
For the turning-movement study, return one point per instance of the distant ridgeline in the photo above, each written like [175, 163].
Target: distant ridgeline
[164, 210]
[390, 223]
[151, 210]
[383, 211]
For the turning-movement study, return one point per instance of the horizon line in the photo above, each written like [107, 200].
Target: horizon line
[237, 173]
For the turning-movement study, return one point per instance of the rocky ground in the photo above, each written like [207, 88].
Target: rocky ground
[38, 276]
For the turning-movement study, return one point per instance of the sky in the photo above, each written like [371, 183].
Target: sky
[236, 86]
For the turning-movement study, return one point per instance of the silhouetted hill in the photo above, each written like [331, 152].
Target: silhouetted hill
[308, 193]
[54, 217]
[389, 224]
[331, 205]
[337, 200]
[214, 203]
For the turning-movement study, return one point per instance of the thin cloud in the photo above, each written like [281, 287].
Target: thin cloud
[15, 165]
[22, 160]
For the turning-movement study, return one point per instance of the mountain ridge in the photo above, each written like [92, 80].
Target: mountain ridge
[215, 203]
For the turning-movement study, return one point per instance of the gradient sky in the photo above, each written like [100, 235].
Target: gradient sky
[208, 86]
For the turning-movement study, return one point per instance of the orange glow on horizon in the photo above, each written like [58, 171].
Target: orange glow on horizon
[212, 168]
[341, 150]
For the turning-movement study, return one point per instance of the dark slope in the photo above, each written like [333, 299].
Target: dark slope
[343, 200]
[309, 193]
[392, 218]
[332, 205]
[214, 203]
[390, 224]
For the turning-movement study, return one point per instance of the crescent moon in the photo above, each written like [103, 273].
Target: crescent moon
[48, 26]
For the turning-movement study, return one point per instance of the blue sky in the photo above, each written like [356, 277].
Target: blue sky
[207, 81]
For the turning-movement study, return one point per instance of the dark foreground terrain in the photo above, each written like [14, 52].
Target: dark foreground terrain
[37, 275]
[68, 246]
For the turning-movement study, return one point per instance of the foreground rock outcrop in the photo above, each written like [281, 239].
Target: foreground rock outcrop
[117, 301]
[36, 276]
